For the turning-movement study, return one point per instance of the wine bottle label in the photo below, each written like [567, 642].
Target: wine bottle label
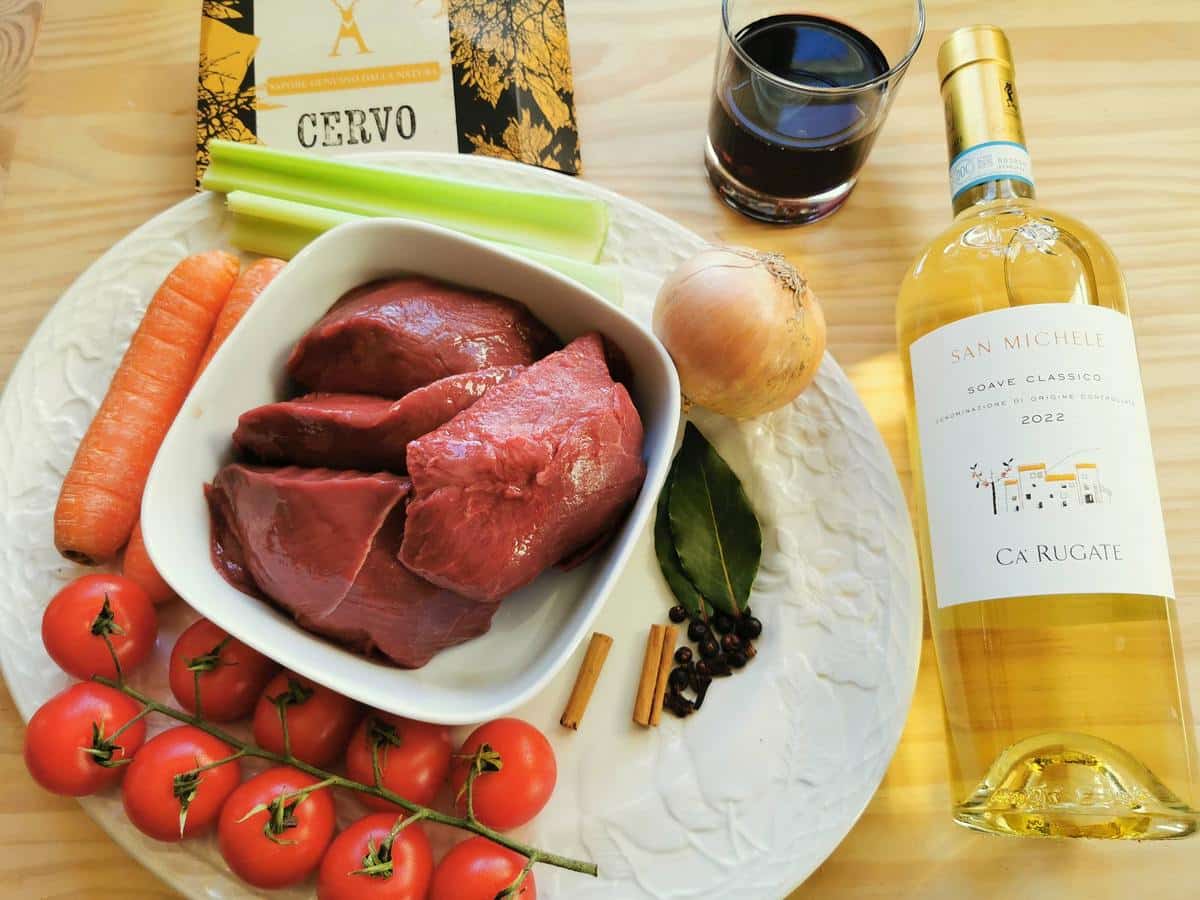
[1035, 453]
[990, 161]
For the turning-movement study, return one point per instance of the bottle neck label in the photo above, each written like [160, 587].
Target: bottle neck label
[990, 161]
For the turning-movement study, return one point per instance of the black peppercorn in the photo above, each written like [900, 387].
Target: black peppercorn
[698, 631]
[709, 648]
[737, 659]
[678, 679]
[683, 655]
[723, 622]
[719, 666]
[677, 614]
[703, 669]
[731, 642]
[749, 628]
[679, 705]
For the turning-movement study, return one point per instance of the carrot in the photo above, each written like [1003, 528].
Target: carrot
[102, 493]
[136, 566]
[250, 284]
[245, 291]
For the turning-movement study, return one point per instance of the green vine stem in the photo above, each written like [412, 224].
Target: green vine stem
[465, 823]
[205, 662]
[378, 863]
[104, 626]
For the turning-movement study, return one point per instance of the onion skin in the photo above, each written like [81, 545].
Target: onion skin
[744, 329]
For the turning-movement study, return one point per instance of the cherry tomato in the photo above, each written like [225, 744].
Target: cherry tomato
[510, 797]
[414, 758]
[232, 675]
[319, 721]
[77, 618]
[477, 869]
[411, 859]
[153, 799]
[267, 856]
[61, 733]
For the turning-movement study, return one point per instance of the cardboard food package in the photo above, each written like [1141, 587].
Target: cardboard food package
[357, 76]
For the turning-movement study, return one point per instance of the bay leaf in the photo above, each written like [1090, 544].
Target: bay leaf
[713, 527]
[668, 560]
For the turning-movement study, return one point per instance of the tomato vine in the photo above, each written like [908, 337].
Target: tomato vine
[487, 761]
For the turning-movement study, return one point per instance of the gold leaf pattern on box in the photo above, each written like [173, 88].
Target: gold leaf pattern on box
[521, 141]
[513, 83]
[222, 9]
[225, 93]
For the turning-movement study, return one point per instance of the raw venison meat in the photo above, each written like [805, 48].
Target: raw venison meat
[228, 557]
[535, 471]
[322, 545]
[356, 431]
[400, 614]
[391, 337]
[304, 533]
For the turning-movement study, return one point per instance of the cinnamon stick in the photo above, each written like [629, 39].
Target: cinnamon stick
[585, 681]
[644, 702]
[665, 659]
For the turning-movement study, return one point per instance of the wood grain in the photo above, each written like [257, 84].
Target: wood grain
[1111, 95]
[18, 32]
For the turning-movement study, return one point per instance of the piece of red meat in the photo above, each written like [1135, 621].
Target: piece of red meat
[532, 473]
[228, 557]
[322, 545]
[391, 337]
[357, 431]
[398, 613]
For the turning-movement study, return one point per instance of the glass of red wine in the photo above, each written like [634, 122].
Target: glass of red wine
[800, 92]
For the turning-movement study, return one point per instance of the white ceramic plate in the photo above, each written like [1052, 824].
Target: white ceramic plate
[741, 801]
[536, 628]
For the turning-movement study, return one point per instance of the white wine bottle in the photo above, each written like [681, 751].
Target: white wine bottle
[1043, 549]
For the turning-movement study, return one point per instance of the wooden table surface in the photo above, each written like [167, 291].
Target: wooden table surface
[1111, 94]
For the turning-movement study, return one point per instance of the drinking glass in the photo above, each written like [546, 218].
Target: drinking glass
[801, 90]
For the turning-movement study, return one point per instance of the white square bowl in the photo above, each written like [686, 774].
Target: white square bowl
[536, 628]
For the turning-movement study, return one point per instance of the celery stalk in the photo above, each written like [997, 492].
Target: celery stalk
[279, 228]
[282, 228]
[573, 227]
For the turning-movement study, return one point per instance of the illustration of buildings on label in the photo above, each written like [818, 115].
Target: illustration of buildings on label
[1032, 486]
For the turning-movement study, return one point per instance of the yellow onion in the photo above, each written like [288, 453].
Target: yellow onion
[743, 328]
